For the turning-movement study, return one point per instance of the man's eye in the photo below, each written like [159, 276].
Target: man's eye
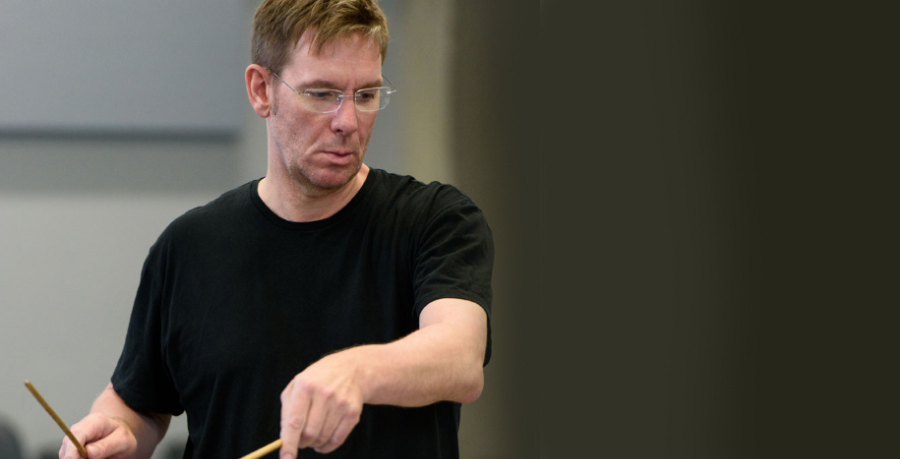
[320, 95]
[367, 95]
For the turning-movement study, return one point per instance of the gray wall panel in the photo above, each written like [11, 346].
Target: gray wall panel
[122, 66]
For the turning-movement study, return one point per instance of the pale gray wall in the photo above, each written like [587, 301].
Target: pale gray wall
[125, 66]
[79, 212]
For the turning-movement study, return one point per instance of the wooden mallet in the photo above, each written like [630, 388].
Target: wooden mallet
[62, 425]
[265, 450]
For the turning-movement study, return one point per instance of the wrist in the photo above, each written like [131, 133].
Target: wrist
[363, 358]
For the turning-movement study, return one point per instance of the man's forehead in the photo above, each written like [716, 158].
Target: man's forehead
[349, 62]
[352, 45]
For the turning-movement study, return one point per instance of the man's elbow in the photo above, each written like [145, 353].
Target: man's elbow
[472, 387]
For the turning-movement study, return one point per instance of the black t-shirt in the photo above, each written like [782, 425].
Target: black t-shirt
[234, 301]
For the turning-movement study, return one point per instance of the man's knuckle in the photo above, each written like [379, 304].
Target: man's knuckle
[338, 439]
[306, 387]
[295, 422]
[346, 405]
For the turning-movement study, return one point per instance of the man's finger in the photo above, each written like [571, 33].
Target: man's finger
[70, 451]
[346, 425]
[109, 446]
[294, 412]
[335, 415]
[81, 433]
[318, 411]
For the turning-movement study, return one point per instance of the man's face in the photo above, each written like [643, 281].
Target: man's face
[322, 152]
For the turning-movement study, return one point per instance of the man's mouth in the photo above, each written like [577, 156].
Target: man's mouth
[342, 157]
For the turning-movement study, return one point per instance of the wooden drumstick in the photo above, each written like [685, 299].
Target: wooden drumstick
[62, 425]
[265, 450]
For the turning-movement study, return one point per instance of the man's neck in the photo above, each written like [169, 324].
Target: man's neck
[292, 203]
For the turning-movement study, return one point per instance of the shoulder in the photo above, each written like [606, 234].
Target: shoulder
[409, 194]
[211, 217]
[429, 214]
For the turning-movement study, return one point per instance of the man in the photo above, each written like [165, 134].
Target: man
[340, 308]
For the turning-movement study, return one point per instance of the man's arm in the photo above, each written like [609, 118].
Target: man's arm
[115, 430]
[442, 360]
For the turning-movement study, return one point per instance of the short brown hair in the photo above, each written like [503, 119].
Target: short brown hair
[279, 24]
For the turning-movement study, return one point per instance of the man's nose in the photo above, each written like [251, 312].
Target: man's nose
[345, 118]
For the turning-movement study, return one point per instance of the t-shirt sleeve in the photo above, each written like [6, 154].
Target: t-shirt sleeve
[455, 255]
[141, 377]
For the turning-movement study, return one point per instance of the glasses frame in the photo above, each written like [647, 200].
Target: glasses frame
[341, 96]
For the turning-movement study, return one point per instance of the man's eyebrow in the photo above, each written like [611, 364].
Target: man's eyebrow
[325, 84]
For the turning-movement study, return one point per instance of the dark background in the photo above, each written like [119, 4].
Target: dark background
[703, 202]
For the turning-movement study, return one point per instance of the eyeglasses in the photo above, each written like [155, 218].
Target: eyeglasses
[330, 100]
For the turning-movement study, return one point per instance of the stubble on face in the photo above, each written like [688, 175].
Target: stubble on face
[318, 156]
[315, 179]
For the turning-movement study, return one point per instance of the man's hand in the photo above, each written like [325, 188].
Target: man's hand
[115, 431]
[103, 438]
[321, 405]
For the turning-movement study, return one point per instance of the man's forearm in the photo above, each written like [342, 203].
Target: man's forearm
[417, 371]
[440, 361]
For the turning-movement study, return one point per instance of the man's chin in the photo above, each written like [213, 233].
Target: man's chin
[324, 184]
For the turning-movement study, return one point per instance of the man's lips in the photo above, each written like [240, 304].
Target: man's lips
[339, 156]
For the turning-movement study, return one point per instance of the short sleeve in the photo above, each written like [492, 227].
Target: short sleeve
[142, 377]
[454, 255]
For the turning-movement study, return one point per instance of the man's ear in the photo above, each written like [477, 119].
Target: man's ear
[258, 90]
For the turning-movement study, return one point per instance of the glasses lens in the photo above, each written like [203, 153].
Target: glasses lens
[321, 101]
[367, 99]
[372, 99]
[327, 101]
